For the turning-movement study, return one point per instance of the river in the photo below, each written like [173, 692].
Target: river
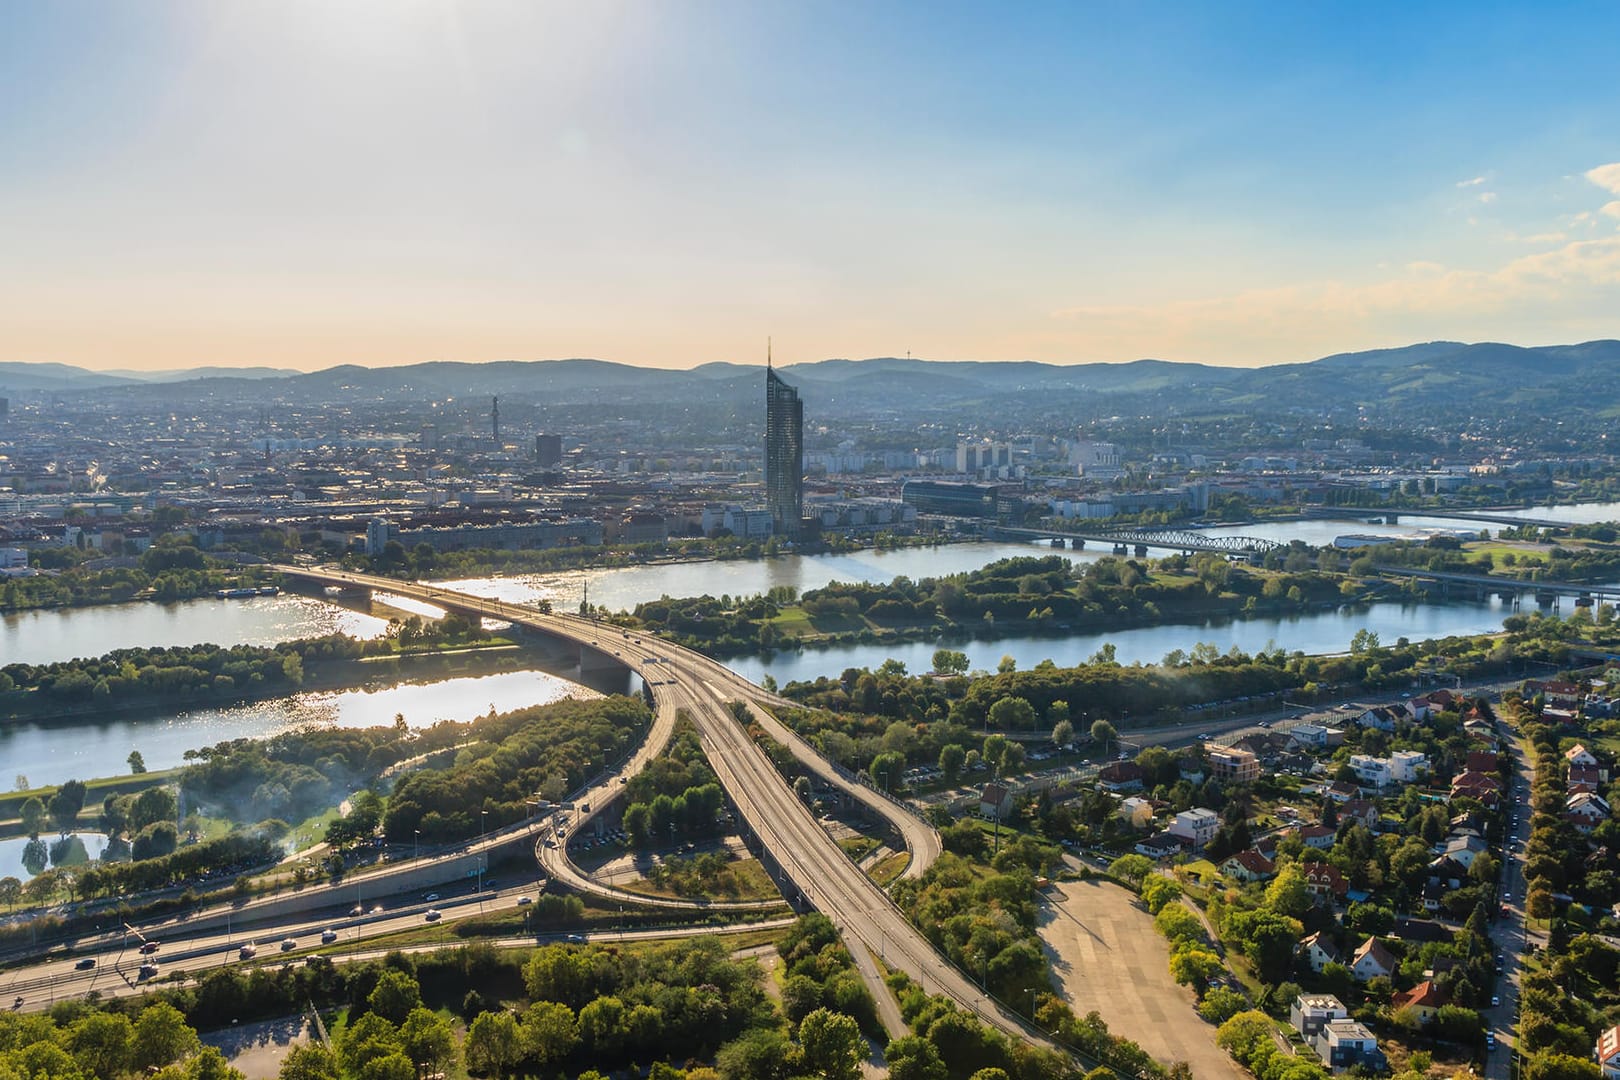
[92, 748]
[85, 749]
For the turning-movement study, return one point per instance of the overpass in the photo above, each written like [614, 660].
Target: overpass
[1184, 540]
[1484, 517]
[804, 855]
[1493, 582]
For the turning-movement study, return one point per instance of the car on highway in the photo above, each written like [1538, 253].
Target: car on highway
[148, 970]
[433, 915]
[328, 936]
[17, 1004]
[576, 939]
[248, 951]
[430, 897]
[148, 948]
[289, 944]
[524, 901]
[357, 910]
[86, 964]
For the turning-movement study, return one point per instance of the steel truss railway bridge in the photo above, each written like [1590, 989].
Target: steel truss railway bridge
[1190, 541]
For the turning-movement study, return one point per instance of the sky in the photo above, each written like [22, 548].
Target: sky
[304, 183]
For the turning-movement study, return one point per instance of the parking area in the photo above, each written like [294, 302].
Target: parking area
[1110, 960]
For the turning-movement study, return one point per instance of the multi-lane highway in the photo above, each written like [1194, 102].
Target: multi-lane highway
[807, 857]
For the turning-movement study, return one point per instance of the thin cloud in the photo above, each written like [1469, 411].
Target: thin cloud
[1475, 182]
[1606, 177]
[1487, 196]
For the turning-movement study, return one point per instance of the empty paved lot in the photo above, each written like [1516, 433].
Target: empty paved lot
[1110, 960]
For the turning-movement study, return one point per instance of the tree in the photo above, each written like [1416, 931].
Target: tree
[1062, 733]
[1552, 1066]
[161, 1035]
[493, 1044]
[209, 1064]
[832, 1045]
[1158, 891]
[394, 996]
[1194, 967]
[1013, 714]
[759, 1054]
[637, 823]
[950, 662]
[1104, 734]
[310, 1062]
[33, 816]
[951, 759]
[10, 891]
[367, 1038]
[428, 1040]
[1288, 894]
[101, 1043]
[1132, 868]
[912, 1058]
[1221, 1004]
[1178, 925]
[887, 769]
[801, 996]
[137, 763]
[549, 1032]
[391, 1066]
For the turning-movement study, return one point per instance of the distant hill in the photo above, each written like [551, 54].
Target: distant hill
[1476, 379]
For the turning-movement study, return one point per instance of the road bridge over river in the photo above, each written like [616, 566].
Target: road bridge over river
[804, 854]
[1492, 582]
[1189, 541]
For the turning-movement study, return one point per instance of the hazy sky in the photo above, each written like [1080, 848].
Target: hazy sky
[304, 184]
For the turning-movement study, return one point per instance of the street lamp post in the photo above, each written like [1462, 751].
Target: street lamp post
[416, 846]
[482, 855]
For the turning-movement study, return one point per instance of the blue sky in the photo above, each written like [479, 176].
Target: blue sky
[387, 181]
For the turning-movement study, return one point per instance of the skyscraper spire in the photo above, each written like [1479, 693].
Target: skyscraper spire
[767, 354]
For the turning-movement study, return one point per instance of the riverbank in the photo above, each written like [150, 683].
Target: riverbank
[374, 672]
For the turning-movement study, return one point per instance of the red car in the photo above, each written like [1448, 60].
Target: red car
[148, 948]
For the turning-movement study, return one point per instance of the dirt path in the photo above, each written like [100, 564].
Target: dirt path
[1110, 960]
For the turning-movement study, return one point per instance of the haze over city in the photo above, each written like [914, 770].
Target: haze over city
[307, 184]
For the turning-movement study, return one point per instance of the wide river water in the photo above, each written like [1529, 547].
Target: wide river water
[88, 748]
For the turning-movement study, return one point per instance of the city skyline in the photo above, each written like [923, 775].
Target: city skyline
[309, 185]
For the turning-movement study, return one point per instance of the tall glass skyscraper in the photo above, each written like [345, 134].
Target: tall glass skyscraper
[784, 454]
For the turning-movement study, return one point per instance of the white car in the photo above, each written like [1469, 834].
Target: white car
[524, 901]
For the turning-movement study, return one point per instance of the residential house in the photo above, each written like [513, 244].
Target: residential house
[1583, 778]
[1608, 1053]
[1320, 837]
[1310, 1013]
[1586, 811]
[1465, 849]
[1317, 736]
[1159, 846]
[1579, 755]
[1477, 785]
[1424, 1000]
[1381, 718]
[1364, 811]
[1425, 706]
[1340, 791]
[1191, 767]
[1372, 960]
[1231, 765]
[1318, 951]
[1119, 776]
[1137, 811]
[996, 801]
[1344, 1043]
[1197, 826]
[1248, 865]
[1421, 930]
[1325, 882]
[1559, 695]
[1484, 761]
[1373, 771]
[1407, 766]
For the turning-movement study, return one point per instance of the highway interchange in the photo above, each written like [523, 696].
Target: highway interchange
[812, 869]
